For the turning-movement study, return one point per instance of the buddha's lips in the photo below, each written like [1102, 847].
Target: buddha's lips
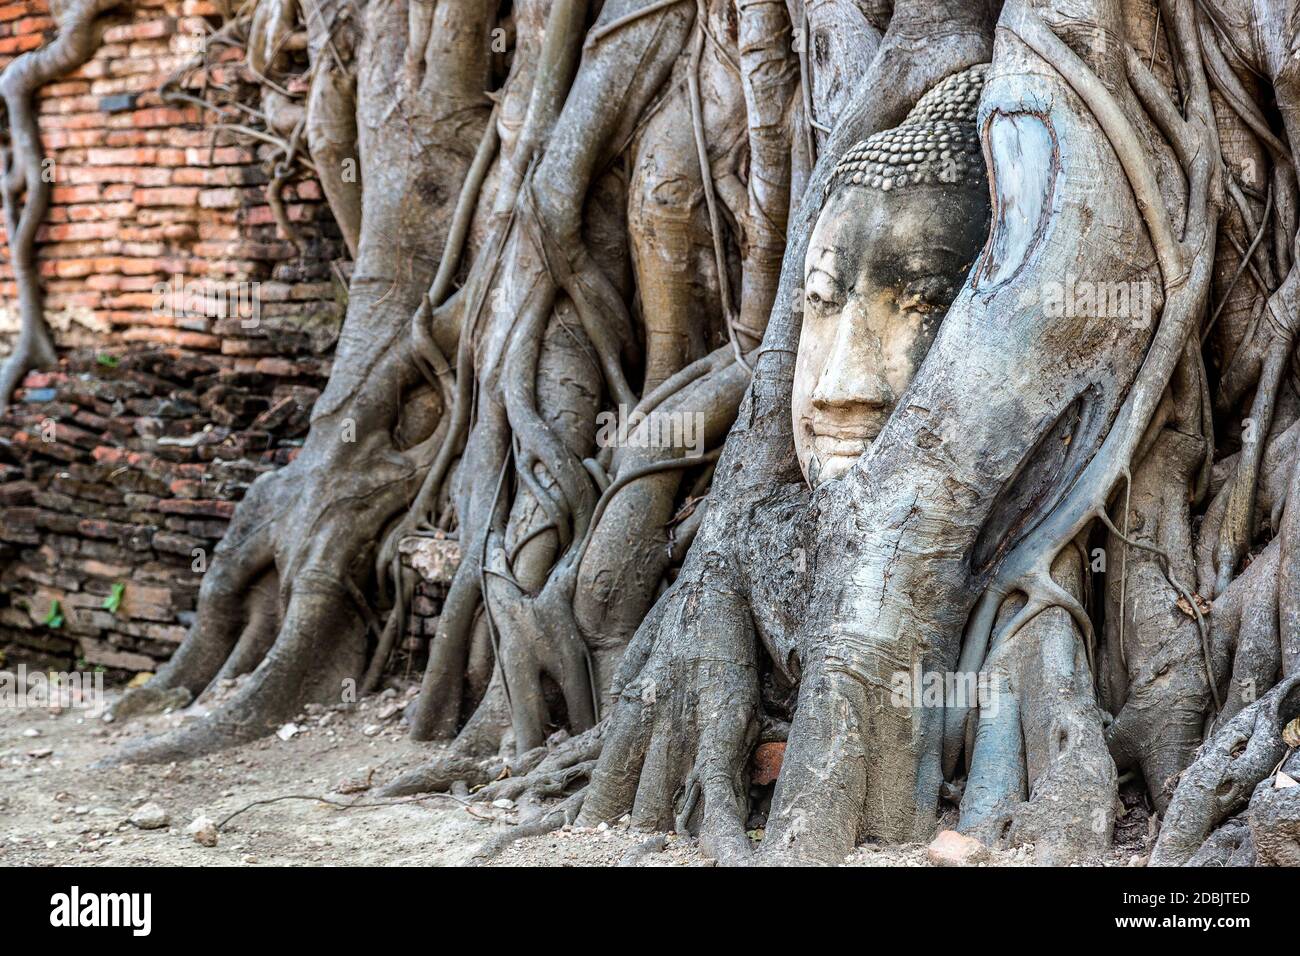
[842, 439]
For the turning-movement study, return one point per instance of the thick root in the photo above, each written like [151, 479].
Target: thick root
[1274, 820]
[680, 738]
[1040, 771]
[1226, 772]
[1154, 664]
[566, 813]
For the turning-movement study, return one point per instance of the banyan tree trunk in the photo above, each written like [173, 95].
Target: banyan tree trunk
[563, 214]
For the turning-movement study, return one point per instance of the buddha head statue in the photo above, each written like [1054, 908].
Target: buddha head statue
[906, 214]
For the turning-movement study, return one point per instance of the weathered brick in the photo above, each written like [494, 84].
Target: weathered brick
[118, 102]
[171, 196]
[217, 509]
[106, 655]
[20, 44]
[141, 193]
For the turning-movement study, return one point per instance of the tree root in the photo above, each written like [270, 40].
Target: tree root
[1228, 768]
[645, 848]
[550, 820]
[1186, 266]
[1040, 772]
[685, 723]
[308, 531]
[543, 771]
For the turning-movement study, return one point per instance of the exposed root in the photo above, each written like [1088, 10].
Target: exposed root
[1226, 772]
[541, 772]
[550, 820]
[645, 848]
[1186, 266]
[1039, 769]
[444, 772]
[680, 739]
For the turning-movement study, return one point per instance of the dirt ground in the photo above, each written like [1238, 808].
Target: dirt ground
[56, 808]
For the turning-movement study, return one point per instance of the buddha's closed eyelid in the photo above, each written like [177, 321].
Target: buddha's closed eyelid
[927, 293]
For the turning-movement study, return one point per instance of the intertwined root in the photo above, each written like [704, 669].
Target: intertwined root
[1240, 758]
[550, 770]
[551, 819]
[1154, 667]
[566, 542]
[1039, 771]
[679, 741]
[557, 770]
[274, 609]
[281, 602]
[291, 600]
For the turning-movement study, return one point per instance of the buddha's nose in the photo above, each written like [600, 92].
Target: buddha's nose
[853, 373]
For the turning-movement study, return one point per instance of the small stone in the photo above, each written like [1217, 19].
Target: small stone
[359, 783]
[287, 732]
[951, 848]
[40, 752]
[149, 816]
[371, 730]
[31, 732]
[250, 859]
[503, 804]
[204, 831]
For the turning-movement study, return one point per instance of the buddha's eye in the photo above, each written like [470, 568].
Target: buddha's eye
[819, 293]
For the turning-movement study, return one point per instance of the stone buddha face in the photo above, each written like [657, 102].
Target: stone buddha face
[906, 216]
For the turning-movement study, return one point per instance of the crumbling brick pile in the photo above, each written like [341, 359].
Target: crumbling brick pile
[118, 475]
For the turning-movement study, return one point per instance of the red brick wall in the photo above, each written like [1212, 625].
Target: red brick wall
[123, 464]
[143, 193]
